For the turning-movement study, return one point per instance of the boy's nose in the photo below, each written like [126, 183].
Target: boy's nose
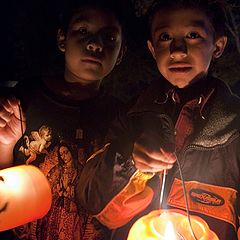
[95, 45]
[178, 49]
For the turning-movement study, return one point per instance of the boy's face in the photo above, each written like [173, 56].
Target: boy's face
[92, 44]
[183, 45]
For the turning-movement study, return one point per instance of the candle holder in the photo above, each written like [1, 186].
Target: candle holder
[172, 224]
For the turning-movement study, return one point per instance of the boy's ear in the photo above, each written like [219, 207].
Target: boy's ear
[151, 48]
[219, 46]
[121, 54]
[61, 40]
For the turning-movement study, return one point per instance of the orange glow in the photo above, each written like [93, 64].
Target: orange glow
[12, 181]
[170, 224]
[25, 195]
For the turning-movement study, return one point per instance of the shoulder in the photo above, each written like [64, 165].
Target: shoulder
[225, 98]
[221, 117]
[223, 107]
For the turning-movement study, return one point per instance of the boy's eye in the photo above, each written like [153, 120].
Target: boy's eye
[110, 37]
[193, 35]
[165, 37]
[83, 30]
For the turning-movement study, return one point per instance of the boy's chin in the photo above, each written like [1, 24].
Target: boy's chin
[179, 82]
[91, 75]
[184, 80]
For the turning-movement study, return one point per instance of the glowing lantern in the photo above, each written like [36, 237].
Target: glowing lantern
[170, 225]
[25, 195]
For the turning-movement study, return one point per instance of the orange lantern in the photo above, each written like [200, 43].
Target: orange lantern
[25, 195]
[170, 224]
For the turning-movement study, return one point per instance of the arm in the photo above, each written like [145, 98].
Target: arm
[11, 129]
[111, 187]
[114, 187]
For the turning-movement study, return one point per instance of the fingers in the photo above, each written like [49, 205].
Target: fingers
[15, 107]
[14, 103]
[169, 155]
[149, 160]
[150, 165]
[5, 117]
[10, 104]
[8, 109]
[6, 112]
[12, 121]
[146, 152]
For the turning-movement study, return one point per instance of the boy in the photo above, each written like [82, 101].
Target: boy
[186, 115]
[66, 111]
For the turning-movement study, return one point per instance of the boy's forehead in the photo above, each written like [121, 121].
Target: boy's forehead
[98, 18]
[88, 13]
[185, 17]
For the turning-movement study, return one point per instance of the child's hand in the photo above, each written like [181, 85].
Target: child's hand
[149, 158]
[11, 128]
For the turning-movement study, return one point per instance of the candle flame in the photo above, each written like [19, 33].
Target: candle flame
[170, 232]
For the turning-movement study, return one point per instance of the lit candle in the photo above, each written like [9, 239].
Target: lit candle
[25, 195]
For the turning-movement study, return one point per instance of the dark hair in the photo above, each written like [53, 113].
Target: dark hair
[69, 9]
[213, 9]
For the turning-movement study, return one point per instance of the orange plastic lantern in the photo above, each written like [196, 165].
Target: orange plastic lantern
[170, 225]
[25, 195]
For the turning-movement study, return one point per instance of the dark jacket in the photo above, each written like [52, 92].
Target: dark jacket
[118, 194]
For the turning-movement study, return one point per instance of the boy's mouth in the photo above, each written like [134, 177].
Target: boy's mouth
[180, 67]
[92, 60]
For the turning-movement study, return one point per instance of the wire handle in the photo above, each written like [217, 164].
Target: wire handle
[21, 118]
[184, 193]
[163, 186]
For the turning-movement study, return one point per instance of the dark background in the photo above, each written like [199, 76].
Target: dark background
[28, 39]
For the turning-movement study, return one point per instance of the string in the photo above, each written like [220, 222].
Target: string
[186, 200]
[184, 193]
[163, 186]
[21, 120]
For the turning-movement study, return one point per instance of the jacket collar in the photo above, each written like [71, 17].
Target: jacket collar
[219, 108]
[161, 91]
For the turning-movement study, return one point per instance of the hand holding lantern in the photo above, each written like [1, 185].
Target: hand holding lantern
[25, 194]
[12, 121]
[12, 127]
[154, 149]
[148, 159]
[161, 224]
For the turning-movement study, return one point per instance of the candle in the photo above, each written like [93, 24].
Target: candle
[25, 195]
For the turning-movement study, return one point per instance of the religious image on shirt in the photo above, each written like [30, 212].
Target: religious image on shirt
[37, 143]
[61, 162]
